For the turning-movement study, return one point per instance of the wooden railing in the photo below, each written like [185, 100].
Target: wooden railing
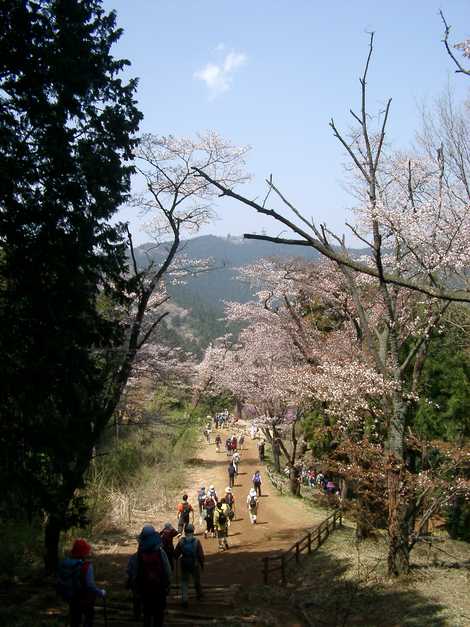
[309, 543]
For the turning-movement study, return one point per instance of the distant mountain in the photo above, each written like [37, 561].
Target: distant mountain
[204, 294]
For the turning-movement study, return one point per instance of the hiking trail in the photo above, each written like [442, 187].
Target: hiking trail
[281, 521]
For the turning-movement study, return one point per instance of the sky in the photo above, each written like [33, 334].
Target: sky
[272, 73]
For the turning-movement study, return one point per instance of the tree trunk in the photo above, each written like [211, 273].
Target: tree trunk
[51, 544]
[238, 408]
[276, 455]
[398, 532]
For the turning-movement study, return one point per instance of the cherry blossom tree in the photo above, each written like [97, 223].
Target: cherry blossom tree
[176, 203]
[413, 217]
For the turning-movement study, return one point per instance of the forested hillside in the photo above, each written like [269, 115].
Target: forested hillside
[203, 294]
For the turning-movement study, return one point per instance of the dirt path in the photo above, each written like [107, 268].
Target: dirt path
[281, 520]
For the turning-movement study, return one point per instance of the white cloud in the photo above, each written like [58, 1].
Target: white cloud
[218, 78]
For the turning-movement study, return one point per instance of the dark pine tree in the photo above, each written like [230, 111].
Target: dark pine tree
[67, 133]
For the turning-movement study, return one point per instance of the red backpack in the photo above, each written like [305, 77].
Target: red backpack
[151, 573]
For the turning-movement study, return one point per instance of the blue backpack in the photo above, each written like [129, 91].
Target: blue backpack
[71, 578]
[188, 553]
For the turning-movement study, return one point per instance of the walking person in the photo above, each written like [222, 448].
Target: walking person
[221, 519]
[192, 563]
[209, 507]
[241, 441]
[257, 482]
[201, 497]
[234, 442]
[76, 584]
[167, 535]
[230, 500]
[153, 576]
[218, 442]
[228, 445]
[231, 474]
[207, 435]
[236, 461]
[185, 512]
[252, 505]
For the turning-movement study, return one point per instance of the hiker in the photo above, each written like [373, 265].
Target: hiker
[231, 474]
[207, 435]
[185, 510]
[201, 497]
[209, 507]
[131, 584]
[218, 442]
[221, 519]
[257, 482]
[236, 461]
[241, 441]
[167, 534]
[192, 562]
[261, 450]
[230, 500]
[253, 431]
[228, 445]
[252, 505]
[213, 493]
[76, 584]
[234, 442]
[153, 576]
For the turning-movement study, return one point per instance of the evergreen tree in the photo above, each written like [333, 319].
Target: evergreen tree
[67, 124]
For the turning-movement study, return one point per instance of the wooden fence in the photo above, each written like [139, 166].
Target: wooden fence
[309, 543]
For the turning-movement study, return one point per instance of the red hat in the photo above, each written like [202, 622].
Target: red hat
[80, 549]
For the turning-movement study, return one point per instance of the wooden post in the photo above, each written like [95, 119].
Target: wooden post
[297, 552]
[283, 570]
[309, 542]
[265, 570]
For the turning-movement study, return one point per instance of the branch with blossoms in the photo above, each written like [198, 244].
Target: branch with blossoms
[464, 46]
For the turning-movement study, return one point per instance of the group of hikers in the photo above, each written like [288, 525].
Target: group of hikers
[150, 569]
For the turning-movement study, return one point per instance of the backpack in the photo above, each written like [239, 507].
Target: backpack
[231, 470]
[185, 513]
[256, 478]
[229, 499]
[71, 578]
[151, 575]
[188, 553]
[253, 502]
[222, 517]
[201, 496]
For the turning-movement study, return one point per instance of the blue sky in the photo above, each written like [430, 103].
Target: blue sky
[278, 71]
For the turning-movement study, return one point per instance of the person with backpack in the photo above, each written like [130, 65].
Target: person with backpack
[167, 534]
[228, 445]
[234, 442]
[209, 507]
[189, 549]
[252, 505]
[76, 584]
[231, 474]
[221, 519]
[230, 500]
[257, 482]
[241, 441]
[218, 442]
[236, 461]
[153, 576]
[185, 511]
[201, 497]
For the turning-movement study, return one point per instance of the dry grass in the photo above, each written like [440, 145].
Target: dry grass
[345, 585]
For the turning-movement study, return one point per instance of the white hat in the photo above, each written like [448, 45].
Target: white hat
[228, 490]
[252, 492]
[211, 487]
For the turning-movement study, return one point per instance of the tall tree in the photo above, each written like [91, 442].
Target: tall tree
[68, 122]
